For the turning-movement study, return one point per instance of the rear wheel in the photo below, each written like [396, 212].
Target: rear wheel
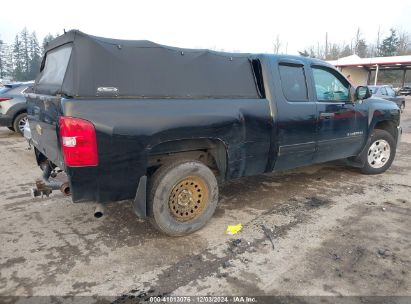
[183, 196]
[379, 153]
[19, 123]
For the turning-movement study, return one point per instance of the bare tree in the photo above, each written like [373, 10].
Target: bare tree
[357, 39]
[277, 45]
[326, 45]
[360, 45]
[378, 42]
[403, 43]
[318, 50]
[334, 52]
[312, 52]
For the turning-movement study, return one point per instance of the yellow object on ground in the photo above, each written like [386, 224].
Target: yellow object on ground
[234, 229]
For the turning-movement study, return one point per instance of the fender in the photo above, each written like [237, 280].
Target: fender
[382, 113]
[215, 146]
[16, 109]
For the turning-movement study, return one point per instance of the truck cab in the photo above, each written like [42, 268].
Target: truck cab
[319, 118]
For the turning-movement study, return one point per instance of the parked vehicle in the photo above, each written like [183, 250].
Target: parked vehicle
[406, 91]
[164, 126]
[386, 92]
[13, 109]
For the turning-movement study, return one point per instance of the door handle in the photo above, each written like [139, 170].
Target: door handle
[326, 115]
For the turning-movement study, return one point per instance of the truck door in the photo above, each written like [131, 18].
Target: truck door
[339, 131]
[296, 116]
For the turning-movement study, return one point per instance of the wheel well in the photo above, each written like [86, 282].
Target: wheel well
[211, 152]
[388, 126]
[18, 113]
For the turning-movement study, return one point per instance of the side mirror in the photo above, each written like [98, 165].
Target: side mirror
[362, 92]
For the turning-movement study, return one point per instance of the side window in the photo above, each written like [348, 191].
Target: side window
[55, 65]
[383, 91]
[329, 86]
[293, 82]
[390, 92]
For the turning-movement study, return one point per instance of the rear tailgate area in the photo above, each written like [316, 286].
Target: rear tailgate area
[43, 114]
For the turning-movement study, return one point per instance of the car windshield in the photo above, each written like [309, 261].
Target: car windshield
[390, 91]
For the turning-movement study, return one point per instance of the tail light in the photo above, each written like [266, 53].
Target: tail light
[5, 98]
[78, 141]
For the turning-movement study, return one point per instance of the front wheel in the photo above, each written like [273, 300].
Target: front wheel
[380, 152]
[183, 196]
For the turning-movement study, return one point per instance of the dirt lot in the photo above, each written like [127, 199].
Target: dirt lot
[335, 231]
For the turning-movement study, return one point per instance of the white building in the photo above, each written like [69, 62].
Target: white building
[360, 69]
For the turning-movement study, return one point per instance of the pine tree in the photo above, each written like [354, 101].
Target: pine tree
[361, 48]
[25, 51]
[2, 59]
[389, 45]
[9, 61]
[18, 60]
[346, 51]
[35, 57]
[46, 40]
[6, 61]
[8, 65]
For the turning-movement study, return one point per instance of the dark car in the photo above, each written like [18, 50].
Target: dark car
[13, 109]
[386, 92]
[406, 91]
[163, 127]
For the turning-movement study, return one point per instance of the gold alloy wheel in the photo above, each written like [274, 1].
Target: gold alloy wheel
[188, 199]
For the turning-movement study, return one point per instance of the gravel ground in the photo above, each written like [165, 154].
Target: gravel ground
[335, 232]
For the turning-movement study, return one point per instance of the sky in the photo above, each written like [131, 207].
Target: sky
[245, 26]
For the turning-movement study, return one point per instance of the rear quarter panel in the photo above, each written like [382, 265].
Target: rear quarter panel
[127, 129]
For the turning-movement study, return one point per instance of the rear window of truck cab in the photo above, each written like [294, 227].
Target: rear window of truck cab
[293, 82]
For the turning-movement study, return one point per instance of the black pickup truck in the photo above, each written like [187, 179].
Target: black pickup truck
[164, 126]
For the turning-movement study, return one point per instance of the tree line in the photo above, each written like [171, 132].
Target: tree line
[395, 43]
[21, 60]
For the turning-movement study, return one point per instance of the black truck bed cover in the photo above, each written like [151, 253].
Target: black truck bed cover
[143, 69]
